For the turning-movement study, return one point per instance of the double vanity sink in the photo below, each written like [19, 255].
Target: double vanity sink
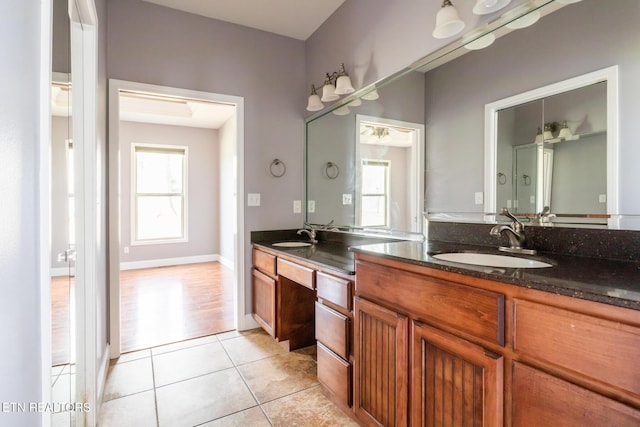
[491, 260]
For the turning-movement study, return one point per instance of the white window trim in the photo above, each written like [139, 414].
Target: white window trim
[133, 202]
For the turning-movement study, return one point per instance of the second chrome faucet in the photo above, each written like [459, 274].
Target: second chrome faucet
[515, 233]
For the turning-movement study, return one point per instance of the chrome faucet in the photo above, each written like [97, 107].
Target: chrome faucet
[311, 232]
[515, 233]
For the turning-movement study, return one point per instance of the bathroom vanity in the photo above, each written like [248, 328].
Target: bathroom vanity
[404, 338]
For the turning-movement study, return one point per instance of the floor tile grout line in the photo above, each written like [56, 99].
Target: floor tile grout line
[155, 394]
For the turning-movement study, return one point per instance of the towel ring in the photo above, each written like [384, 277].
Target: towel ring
[526, 179]
[331, 170]
[502, 178]
[277, 168]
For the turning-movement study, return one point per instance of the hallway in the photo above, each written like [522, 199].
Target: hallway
[230, 379]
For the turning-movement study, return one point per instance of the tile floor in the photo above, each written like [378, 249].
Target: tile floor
[229, 379]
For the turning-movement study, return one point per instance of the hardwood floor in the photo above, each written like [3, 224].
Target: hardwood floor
[61, 293]
[168, 304]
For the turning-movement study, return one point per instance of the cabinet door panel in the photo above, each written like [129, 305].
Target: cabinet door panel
[264, 301]
[454, 382]
[381, 364]
[335, 374]
[544, 400]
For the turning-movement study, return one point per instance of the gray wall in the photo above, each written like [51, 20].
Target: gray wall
[60, 132]
[157, 45]
[202, 189]
[583, 37]
[20, 251]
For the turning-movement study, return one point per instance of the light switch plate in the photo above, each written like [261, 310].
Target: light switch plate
[297, 206]
[311, 206]
[253, 199]
[478, 197]
[602, 198]
[346, 199]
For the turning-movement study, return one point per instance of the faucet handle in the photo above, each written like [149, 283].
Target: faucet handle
[512, 217]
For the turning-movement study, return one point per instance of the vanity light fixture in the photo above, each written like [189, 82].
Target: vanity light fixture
[538, 139]
[335, 84]
[568, 1]
[448, 22]
[484, 7]
[565, 132]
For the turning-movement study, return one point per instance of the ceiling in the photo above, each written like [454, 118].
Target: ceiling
[292, 18]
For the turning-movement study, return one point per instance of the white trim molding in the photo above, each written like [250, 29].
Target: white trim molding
[165, 262]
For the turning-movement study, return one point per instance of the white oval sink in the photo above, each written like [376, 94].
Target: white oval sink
[291, 244]
[491, 260]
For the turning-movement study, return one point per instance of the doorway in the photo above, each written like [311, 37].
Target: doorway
[171, 131]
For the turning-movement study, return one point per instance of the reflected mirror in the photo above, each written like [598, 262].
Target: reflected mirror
[552, 152]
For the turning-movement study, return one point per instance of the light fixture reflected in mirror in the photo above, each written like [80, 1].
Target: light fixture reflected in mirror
[524, 21]
[473, 42]
[371, 96]
[448, 22]
[342, 111]
[568, 1]
[484, 7]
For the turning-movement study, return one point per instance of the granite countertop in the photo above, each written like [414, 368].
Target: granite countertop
[614, 282]
[607, 281]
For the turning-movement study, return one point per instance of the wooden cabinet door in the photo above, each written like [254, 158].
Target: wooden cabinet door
[539, 399]
[453, 381]
[264, 301]
[381, 365]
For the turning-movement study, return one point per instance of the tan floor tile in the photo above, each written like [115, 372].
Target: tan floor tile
[280, 375]
[137, 410]
[189, 363]
[253, 417]
[202, 399]
[251, 347]
[234, 334]
[128, 378]
[184, 344]
[306, 408]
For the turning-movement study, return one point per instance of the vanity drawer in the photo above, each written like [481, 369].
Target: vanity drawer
[601, 349]
[334, 289]
[332, 330]
[299, 274]
[474, 311]
[334, 374]
[264, 262]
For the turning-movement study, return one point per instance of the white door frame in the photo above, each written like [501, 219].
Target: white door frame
[115, 86]
[84, 77]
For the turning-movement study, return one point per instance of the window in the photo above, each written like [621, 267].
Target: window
[159, 194]
[375, 193]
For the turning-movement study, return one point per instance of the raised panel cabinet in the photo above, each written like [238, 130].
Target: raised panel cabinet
[381, 365]
[263, 298]
[453, 382]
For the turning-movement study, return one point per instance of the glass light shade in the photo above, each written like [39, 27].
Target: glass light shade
[538, 139]
[484, 7]
[526, 21]
[355, 103]
[547, 135]
[480, 43]
[448, 22]
[329, 93]
[314, 104]
[342, 111]
[565, 132]
[343, 85]
[568, 1]
[371, 96]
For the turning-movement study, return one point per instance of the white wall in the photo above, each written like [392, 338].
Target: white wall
[21, 193]
[60, 133]
[202, 190]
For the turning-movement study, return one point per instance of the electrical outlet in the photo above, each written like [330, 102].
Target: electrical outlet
[479, 197]
[311, 206]
[346, 199]
[297, 206]
[253, 199]
[126, 249]
[602, 198]
[532, 199]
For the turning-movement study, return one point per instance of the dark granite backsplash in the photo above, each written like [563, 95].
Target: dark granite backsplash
[622, 245]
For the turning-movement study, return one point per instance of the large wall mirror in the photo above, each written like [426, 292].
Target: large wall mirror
[565, 41]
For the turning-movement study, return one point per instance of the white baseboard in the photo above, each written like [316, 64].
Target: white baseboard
[151, 263]
[248, 323]
[226, 262]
